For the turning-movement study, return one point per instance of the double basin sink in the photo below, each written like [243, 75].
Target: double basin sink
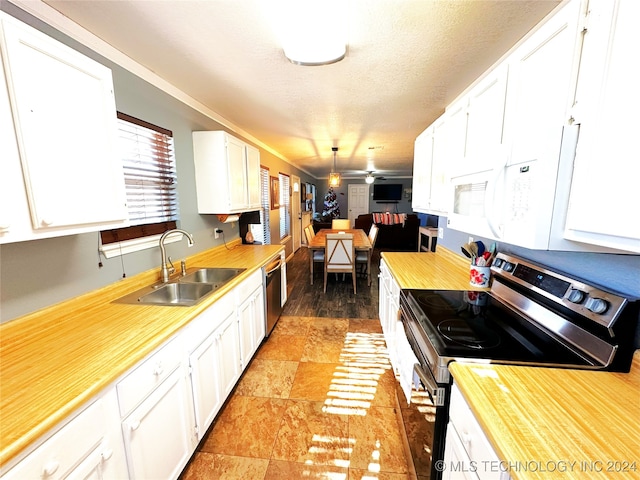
[184, 291]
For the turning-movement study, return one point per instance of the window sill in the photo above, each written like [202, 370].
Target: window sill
[116, 249]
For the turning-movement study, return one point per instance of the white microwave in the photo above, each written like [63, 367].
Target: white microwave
[523, 204]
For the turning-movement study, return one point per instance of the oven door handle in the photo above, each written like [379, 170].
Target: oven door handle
[428, 383]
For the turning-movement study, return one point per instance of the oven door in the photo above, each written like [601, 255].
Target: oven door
[426, 413]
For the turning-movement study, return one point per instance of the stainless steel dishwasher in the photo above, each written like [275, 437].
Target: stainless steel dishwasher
[273, 296]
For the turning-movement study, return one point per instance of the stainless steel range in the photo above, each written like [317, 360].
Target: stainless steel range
[531, 316]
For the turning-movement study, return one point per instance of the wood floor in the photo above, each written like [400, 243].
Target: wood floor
[319, 398]
[310, 301]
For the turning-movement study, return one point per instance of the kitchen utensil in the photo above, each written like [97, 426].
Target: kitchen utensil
[465, 251]
[480, 246]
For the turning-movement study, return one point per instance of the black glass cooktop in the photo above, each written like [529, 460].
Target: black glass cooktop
[468, 324]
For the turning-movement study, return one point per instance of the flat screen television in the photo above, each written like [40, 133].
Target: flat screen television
[391, 192]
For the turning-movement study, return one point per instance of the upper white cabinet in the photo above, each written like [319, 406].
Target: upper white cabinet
[64, 126]
[422, 160]
[227, 173]
[604, 188]
[542, 72]
[482, 139]
[430, 175]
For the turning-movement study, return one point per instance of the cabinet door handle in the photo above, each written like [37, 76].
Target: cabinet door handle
[158, 370]
[107, 453]
[466, 440]
[133, 425]
[50, 468]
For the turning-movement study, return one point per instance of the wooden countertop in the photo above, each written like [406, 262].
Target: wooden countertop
[441, 270]
[582, 424]
[56, 359]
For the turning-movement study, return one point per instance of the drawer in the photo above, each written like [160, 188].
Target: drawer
[472, 437]
[209, 320]
[148, 375]
[247, 287]
[59, 454]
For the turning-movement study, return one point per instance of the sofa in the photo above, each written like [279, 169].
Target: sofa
[393, 237]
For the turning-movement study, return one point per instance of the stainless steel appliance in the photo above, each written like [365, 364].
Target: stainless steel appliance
[531, 316]
[273, 295]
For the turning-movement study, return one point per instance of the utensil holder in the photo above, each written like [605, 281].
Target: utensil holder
[479, 276]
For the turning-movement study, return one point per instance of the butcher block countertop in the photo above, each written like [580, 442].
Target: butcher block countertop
[550, 423]
[441, 270]
[56, 359]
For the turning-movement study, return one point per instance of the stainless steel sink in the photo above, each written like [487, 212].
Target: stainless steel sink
[183, 291]
[185, 294]
[213, 276]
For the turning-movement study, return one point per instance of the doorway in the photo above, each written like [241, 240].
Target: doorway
[358, 201]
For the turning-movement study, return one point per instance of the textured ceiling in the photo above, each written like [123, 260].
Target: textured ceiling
[406, 60]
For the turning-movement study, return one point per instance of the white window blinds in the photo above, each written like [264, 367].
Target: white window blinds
[149, 170]
[262, 232]
[285, 210]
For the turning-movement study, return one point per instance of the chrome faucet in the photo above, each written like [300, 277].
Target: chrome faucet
[164, 269]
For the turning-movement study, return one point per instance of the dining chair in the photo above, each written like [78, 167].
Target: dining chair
[340, 256]
[340, 224]
[317, 255]
[362, 257]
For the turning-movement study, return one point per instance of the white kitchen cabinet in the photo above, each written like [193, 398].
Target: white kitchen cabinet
[422, 159]
[159, 434]
[88, 446]
[389, 306]
[229, 354]
[483, 139]
[63, 111]
[202, 339]
[542, 72]
[227, 173]
[468, 453]
[251, 315]
[430, 176]
[158, 426]
[603, 198]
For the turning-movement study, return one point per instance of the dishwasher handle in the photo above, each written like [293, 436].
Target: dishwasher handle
[273, 267]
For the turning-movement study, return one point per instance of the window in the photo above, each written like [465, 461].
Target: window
[150, 175]
[285, 211]
[261, 231]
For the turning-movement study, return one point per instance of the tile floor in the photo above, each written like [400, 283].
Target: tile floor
[318, 401]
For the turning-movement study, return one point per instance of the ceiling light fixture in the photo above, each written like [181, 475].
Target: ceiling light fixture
[313, 32]
[369, 178]
[334, 176]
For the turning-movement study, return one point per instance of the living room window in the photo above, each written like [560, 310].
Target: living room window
[261, 231]
[149, 169]
[285, 206]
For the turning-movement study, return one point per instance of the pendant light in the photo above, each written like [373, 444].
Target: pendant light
[334, 176]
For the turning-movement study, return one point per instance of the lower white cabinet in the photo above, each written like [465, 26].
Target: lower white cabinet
[468, 454]
[149, 423]
[159, 434]
[389, 306]
[89, 446]
[251, 316]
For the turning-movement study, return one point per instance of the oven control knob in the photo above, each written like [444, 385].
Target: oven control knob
[576, 296]
[596, 305]
[497, 262]
[508, 267]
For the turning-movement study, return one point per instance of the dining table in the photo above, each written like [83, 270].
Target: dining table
[360, 242]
